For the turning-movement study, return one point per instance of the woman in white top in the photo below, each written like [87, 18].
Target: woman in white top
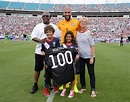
[87, 55]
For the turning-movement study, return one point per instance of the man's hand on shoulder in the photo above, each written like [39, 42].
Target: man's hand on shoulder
[43, 40]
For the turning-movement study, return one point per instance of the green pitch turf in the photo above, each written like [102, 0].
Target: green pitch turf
[112, 70]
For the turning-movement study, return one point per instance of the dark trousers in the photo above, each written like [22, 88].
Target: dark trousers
[91, 73]
[48, 77]
[121, 43]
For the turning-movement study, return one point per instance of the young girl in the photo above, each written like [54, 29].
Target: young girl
[50, 41]
[70, 43]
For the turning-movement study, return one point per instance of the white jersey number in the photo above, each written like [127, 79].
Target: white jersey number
[64, 59]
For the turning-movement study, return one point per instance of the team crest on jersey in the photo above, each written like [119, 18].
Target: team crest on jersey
[72, 24]
[54, 43]
[71, 47]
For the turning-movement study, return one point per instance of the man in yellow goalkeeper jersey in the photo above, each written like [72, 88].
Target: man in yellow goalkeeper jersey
[68, 24]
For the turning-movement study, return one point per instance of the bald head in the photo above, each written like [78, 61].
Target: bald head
[67, 9]
[67, 13]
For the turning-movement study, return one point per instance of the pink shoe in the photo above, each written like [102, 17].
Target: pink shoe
[71, 94]
[63, 92]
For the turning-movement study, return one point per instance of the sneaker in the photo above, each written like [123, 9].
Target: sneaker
[82, 90]
[71, 94]
[93, 94]
[46, 92]
[63, 92]
[67, 85]
[61, 88]
[56, 89]
[76, 89]
[34, 89]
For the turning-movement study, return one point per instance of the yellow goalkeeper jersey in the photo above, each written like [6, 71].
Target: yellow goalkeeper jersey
[65, 26]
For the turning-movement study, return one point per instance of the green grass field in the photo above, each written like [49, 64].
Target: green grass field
[112, 70]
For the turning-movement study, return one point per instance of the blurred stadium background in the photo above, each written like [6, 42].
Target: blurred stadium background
[108, 19]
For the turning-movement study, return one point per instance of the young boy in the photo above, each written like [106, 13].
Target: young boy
[50, 41]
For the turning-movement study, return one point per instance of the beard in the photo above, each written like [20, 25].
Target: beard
[67, 18]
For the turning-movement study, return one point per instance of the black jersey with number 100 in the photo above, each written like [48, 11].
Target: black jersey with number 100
[61, 62]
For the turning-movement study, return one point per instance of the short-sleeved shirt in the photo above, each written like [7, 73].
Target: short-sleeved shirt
[85, 41]
[65, 26]
[38, 32]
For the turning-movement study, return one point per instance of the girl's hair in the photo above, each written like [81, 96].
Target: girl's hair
[72, 36]
[49, 27]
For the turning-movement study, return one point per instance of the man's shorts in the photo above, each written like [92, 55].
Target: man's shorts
[39, 62]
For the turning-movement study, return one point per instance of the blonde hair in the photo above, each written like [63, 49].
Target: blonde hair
[86, 19]
[82, 18]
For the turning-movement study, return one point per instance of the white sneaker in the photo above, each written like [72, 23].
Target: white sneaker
[71, 94]
[93, 94]
[63, 92]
